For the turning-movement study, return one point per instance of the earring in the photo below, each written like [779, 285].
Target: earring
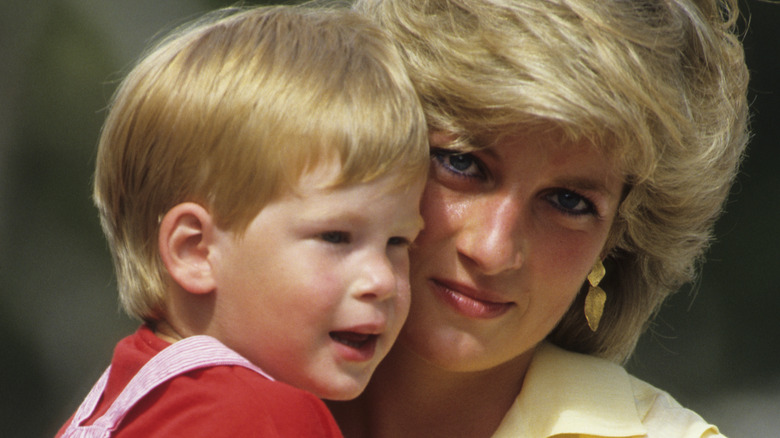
[596, 297]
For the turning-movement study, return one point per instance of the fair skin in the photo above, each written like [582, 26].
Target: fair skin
[512, 231]
[314, 291]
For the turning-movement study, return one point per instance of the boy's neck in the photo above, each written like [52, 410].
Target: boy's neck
[411, 398]
[166, 332]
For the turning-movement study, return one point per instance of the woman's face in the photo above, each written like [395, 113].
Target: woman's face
[511, 232]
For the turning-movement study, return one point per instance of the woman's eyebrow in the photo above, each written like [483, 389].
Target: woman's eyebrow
[592, 184]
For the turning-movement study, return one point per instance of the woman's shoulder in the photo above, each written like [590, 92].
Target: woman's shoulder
[571, 393]
[663, 416]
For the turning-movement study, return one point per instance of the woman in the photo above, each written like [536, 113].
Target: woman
[568, 138]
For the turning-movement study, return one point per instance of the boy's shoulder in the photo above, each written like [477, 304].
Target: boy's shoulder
[244, 392]
[228, 401]
[217, 400]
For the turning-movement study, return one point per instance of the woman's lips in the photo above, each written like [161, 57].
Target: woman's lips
[464, 300]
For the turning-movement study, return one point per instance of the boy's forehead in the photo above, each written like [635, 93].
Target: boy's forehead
[355, 203]
[329, 174]
[324, 174]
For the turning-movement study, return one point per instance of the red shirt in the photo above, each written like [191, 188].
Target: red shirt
[209, 402]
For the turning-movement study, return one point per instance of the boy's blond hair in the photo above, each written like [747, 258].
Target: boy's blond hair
[659, 85]
[231, 111]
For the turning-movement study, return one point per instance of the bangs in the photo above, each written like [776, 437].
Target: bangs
[335, 93]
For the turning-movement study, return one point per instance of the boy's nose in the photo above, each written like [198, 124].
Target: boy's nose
[376, 280]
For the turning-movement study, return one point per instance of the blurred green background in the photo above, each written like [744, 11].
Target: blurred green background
[715, 346]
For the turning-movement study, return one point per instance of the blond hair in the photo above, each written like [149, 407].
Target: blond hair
[230, 111]
[659, 85]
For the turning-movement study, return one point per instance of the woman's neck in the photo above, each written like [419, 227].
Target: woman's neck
[410, 397]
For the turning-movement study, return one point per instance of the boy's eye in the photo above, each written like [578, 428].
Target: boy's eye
[398, 241]
[335, 236]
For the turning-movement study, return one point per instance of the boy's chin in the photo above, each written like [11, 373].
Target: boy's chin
[347, 391]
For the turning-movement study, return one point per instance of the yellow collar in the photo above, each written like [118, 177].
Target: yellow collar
[570, 393]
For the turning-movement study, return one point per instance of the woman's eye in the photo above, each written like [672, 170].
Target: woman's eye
[571, 203]
[460, 164]
[335, 236]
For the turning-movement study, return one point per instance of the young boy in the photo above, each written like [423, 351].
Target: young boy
[258, 180]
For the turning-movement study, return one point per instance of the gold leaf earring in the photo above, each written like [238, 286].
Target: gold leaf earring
[596, 297]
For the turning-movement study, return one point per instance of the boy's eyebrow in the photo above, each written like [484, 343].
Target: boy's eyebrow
[327, 215]
[353, 218]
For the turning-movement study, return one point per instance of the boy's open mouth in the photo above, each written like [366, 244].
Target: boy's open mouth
[354, 339]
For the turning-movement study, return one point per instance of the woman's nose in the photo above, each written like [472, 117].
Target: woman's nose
[490, 237]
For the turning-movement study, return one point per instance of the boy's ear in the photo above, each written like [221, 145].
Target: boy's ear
[185, 234]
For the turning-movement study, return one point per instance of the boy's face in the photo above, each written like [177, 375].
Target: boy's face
[316, 290]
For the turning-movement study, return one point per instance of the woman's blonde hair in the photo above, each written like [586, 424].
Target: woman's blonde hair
[231, 111]
[659, 84]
